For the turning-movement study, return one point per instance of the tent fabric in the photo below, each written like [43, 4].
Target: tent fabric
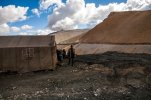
[25, 41]
[27, 53]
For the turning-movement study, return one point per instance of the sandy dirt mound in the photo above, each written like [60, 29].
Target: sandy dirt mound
[122, 27]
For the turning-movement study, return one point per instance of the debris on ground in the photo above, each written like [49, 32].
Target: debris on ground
[86, 80]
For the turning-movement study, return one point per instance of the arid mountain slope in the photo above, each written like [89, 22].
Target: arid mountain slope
[122, 27]
[64, 36]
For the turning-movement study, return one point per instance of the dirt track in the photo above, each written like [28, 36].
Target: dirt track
[91, 78]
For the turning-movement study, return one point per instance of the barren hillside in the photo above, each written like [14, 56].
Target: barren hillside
[64, 36]
[122, 27]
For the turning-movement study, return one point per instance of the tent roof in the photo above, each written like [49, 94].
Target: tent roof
[25, 41]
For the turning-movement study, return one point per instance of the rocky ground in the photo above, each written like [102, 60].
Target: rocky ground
[110, 76]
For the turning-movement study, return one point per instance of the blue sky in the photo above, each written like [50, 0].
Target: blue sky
[41, 22]
[35, 3]
[44, 19]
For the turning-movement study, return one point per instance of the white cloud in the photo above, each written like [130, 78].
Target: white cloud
[45, 4]
[36, 11]
[36, 32]
[15, 29]
[11, 13]
[43, 32]
[76, 13]
[4, 29]
[139, 4]
[26, 27]
[23, 33]
[67, 23]
[64, 17]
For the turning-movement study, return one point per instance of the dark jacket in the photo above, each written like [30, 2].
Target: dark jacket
[71, 53]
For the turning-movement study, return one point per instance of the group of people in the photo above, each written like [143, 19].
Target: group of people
[62, 54]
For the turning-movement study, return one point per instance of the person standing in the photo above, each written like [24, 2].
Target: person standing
[71, 55]
[64, 53]
[59, 57]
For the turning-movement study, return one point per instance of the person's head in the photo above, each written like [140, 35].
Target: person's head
[71, 46]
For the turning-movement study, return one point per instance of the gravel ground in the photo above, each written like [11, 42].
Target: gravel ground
[110, 76]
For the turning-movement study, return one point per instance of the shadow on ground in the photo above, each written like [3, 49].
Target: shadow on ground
[110, 76]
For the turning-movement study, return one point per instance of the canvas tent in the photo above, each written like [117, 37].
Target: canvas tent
[27, 53]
